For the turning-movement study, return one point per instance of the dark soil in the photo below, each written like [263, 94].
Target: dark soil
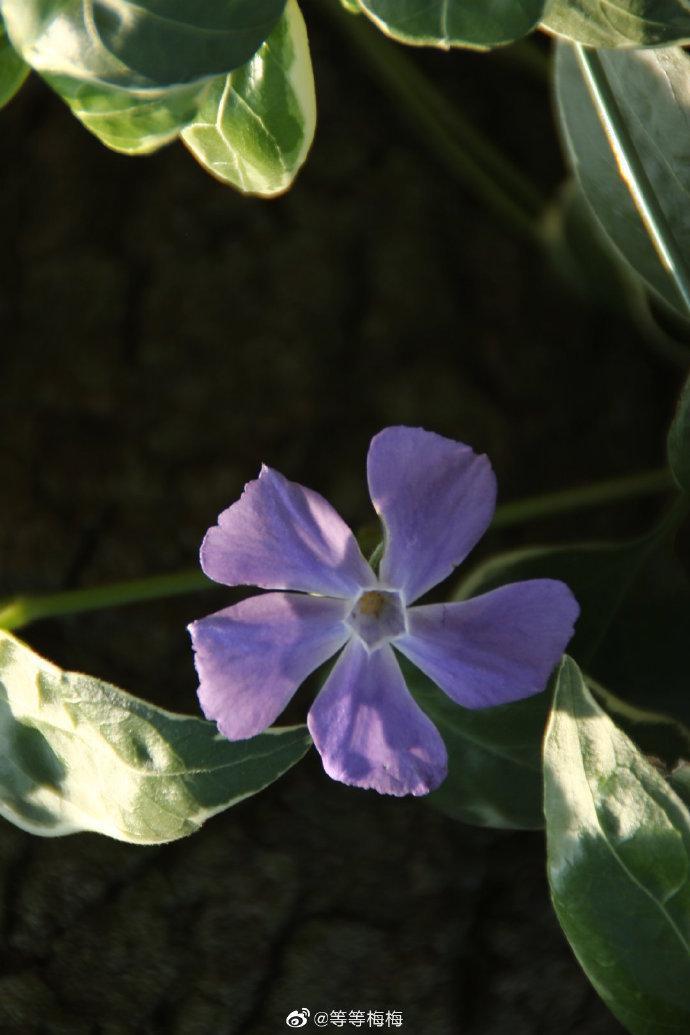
[161, 337]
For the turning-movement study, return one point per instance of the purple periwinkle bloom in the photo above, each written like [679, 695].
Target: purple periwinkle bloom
[435, 498]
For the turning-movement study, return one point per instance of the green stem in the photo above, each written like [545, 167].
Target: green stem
[22, 610]
[633, 171]
[612, 491]
[466, 152]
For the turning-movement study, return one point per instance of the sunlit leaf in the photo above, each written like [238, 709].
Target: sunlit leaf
[455, 23]
[255, 126]
[652, 88]
[79, 754]
[661, 737]
[142, 44]
[625, 23]
[13, 71]
[618, 841]
[679, 778]
[133, 123]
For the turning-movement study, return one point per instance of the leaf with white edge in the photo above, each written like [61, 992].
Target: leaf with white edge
[625, 23]
[652, 88]
[495, 754]
[661, 737]
[138, 44]
[679, 440]
[79, 754]
[679, 778]
[13, 71]
[255, 126]
[479, 24]
[618, 850]
[132, 123]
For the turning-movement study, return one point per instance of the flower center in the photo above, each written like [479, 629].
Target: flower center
[377, 617]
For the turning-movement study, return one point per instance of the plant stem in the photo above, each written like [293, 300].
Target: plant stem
[466, 152]
[633, 171]
[22, 610]
[551, 503]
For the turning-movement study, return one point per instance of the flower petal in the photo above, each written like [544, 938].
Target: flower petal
[435, 497]
[251, 657]
[495, 648]
[279, 535]
[370, 732]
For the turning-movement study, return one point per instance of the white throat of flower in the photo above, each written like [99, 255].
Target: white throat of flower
[377, 617]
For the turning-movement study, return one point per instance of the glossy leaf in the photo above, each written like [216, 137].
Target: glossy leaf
[494, 757]
[653, 92]
[455, 23]
[679, 440]
[79, 754]
[255, 126]
[625, 23]
[13, 71]
[132, 123]
[618, 844]
[597, 573]
[142, 44]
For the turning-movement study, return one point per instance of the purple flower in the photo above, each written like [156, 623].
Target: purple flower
[435, 498]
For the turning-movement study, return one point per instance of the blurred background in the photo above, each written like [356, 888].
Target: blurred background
[161, 337]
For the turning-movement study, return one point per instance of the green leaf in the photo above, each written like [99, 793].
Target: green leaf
[132, 123]
[679, 779]
[495, 754]
[255, 126]
[679, 440]
[652, 88]
[597, 573]
[13, 71]
[585, 257]
[494, 757]
[645, 652]
[142, 44]
[625, 23]
[455, 23]
[618, 847]
[79, 754]
[661, 737]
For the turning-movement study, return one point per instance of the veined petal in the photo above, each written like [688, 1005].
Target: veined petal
[495, 648]
[279, 535]
[370, 732]
[252, 657]
[435, 497]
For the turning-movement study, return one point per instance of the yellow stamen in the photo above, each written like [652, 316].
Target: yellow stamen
[371, 603]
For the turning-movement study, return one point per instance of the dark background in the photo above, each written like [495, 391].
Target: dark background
[161, 337]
